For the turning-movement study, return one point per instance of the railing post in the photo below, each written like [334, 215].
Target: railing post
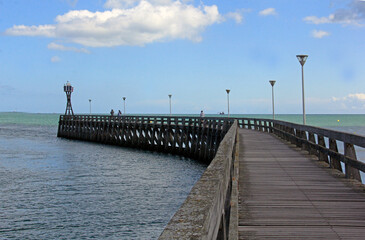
[279, 128]
[148, 133]
[286, 132]
[123, 131]
[350, 171]
[141, 139]
[261, 128]
[166, 134]
[298, 136]
[193, 138]
[213, 137]
[274, 128]
[182, 135]
[305, 145]
[322, 156]
[335, 163]
[293, 140]
[249, 124]
[312, 150]
[270, 125]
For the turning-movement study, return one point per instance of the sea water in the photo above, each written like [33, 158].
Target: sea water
[53, 188]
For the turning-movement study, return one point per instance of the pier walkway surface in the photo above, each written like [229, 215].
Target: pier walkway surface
[285, 194]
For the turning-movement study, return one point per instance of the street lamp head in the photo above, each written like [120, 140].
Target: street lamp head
[227, 90]
[89, 100]
[272, 82]
[124, 98]
[302, 59]
[170, 95]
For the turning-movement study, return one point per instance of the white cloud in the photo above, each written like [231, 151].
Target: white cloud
[357, 96]
[351, 96]
[268, 12]
[351, 101]
[320, 34]
[41, 30]
[142, 24]
[237, 16]
[55, 59]
[353, 15]
[55, 46]
[317, 20]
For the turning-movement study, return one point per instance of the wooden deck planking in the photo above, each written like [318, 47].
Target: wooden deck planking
[283, 194]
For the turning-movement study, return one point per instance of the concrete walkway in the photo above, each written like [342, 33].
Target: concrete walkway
[284, 194]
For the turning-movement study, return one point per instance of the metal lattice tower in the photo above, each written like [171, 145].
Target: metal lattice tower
[68, 90]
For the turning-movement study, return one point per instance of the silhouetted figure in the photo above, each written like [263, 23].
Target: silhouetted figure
[202, 114]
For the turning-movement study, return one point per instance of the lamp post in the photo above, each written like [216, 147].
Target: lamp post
[170, 95]
[272, 82]
[124, 104]
[302, 59]
[90, 105]
[227, 90]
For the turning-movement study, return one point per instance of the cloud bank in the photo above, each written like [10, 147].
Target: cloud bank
[129, 22]
[353, 15]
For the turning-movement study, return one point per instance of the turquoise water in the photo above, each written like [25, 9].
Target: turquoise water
[29, 118]
[319, 120]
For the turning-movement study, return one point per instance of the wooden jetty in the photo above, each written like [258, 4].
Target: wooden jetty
[192, 137]
[285, 194]
[267, 179]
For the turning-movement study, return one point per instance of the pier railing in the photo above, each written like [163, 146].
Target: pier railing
[320, 142]
[193, 137]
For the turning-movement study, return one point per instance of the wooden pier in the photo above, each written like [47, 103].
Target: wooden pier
[285, 194]
[192, 137]
[267, 179]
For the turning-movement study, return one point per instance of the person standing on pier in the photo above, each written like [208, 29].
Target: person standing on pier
[112, 112]
[119, 113]
[202, 114]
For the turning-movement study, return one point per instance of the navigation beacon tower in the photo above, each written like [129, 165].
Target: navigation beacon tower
[68, 90]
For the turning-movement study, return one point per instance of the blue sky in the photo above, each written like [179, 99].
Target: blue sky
[194, 50]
